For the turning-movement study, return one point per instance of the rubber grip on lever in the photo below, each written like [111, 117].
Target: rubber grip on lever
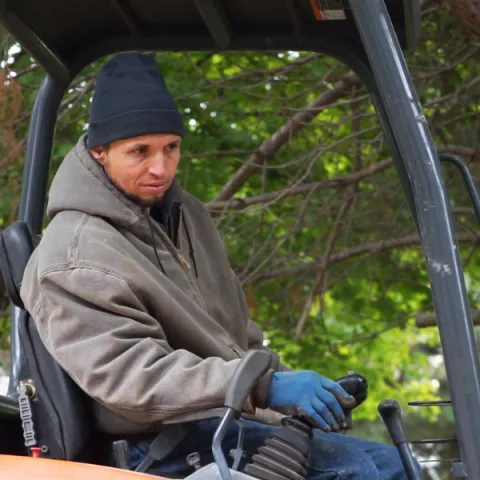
[391, 414]
[251, 368]
[357, 386]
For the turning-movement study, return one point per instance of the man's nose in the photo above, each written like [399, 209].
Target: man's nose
[157, 166]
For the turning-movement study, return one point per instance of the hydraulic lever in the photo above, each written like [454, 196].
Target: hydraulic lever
[253, 365]
[392, 417]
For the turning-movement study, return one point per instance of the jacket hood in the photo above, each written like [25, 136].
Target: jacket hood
[81, 184]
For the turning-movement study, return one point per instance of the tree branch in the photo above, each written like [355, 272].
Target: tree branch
[306, 188]
[461, 150]
[367, 248]
[319, 286]
[424, 320]
[281, 136]
[319, 280]
[217, 153]
[217, 206]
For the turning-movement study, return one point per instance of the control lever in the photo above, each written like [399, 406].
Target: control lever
[355, 385]
[392, 417]
[121, 454]
[251, 368]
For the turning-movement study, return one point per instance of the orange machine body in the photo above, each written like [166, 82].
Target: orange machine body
[25, 468]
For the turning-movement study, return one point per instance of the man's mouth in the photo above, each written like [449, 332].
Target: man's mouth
[155, 186]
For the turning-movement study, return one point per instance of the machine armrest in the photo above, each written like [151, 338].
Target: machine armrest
[196, 416]
[252, 366]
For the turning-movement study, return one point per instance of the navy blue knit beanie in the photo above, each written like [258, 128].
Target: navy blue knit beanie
[131, 100]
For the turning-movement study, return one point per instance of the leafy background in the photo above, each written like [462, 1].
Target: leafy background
[287, 152]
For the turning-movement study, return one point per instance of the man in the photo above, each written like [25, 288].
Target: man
[133, 294]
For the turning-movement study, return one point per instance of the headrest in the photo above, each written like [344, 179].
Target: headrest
[16, 245]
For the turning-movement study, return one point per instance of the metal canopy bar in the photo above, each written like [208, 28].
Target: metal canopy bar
[296, 22]
[125, 13]
[216, 21]
[36, 48]
[39, 149]
[410, 131]
[343, 49]
[34, 193]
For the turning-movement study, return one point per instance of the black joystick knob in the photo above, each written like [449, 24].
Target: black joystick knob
[391, 414]
[355, 385]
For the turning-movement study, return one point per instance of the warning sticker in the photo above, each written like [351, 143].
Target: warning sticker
[330, 9]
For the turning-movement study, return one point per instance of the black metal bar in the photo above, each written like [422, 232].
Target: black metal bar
[431, 403]
[216, 21]
[435, 441]
[39, 150]
[342, 50]
[408, 126]
[126, 15]
[218, 437]
[295, 16]
[37, 49]
[391, 414]
[34, 191]
[467, 178]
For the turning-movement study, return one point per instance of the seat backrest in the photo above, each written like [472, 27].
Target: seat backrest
[61, 412]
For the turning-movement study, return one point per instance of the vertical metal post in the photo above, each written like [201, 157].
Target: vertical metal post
[39, 150]
[34, 190]
[409, 128]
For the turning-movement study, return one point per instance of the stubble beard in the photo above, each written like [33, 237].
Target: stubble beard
[141, 202]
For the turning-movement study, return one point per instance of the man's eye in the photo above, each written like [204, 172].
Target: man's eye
[141, 150]
[172, 147]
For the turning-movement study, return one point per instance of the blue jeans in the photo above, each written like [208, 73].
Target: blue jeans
[333, 456]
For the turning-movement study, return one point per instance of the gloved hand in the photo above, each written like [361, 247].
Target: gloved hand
[311, 396]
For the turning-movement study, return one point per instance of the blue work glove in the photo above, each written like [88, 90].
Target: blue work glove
[308, 395]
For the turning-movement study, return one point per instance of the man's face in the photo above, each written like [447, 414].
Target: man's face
[143, 168]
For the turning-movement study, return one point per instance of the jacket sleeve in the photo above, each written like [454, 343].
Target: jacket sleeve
[98, 329]
[255, 334]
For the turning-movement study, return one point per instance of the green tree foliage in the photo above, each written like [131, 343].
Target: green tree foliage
[286, 150]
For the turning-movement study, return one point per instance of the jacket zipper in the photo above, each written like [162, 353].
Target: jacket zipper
[239, 352]
[181, 259]
[177, 246]
[189, 273]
